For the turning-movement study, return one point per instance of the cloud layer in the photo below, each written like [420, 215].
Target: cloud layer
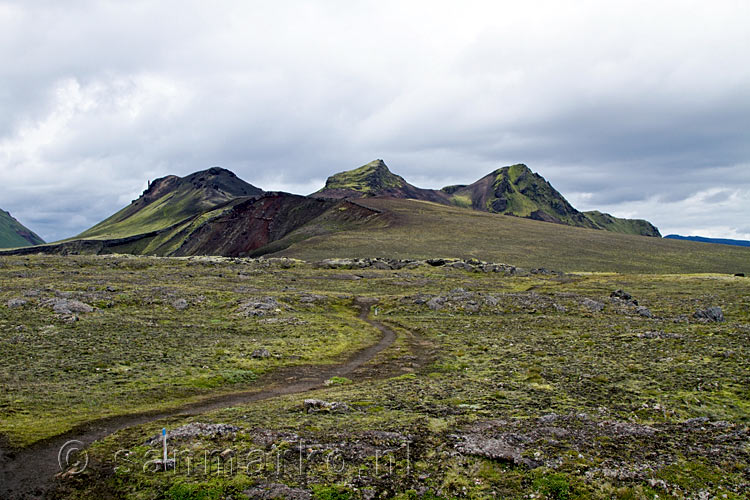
[631, 108]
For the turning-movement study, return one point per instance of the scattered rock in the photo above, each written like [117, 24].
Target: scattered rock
[542, 270]
[226, 454]
[627, 429]
[342, 264]
[624, 296]
[436, 303]
[259, 307]
[659, 335]
[272, 491]
[15, 303]
[548, 418]
[194, 430]
[260, 354]
[309, 298]
[318, 405]
[421, 298]
[180, 304]
[162, 465]
[711, 314]
[67, 306]
[644, 311]
[495, 449]
[593, 305]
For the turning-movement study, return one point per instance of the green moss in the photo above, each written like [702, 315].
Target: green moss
[370, 178]
[463, 201]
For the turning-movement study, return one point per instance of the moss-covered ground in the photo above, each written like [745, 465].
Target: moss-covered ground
[499, 386]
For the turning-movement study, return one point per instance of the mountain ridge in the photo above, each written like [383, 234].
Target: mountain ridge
[209, 213]
[511, 190]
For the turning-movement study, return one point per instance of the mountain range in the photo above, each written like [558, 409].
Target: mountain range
[215, 212]
[511, 215]
[14, 234]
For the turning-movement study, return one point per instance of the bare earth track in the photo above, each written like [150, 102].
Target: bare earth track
[29, 473]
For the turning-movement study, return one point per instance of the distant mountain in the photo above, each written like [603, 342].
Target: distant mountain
[170, 200]
[701, 239]
[13, 234]
[513, 190]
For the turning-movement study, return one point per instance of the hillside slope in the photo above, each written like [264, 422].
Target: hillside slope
[419, 230]
[13, 234]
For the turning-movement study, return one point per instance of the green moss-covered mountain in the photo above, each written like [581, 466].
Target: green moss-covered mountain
[13, 234]
[172, 200]
[513, 190]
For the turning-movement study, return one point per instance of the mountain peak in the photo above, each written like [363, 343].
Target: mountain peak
[172, 199]
[513, 171]
[368, 180]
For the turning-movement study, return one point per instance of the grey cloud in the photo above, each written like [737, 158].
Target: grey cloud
[631, 114]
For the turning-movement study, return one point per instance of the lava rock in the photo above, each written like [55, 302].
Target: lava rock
[67, 306]
[273, 490]
[318, 405]
[15, 303]
[644, 311]
[593, 305]
[261, 354]
[259, 307]
[194, 430]
[180, 304]
[710, 314]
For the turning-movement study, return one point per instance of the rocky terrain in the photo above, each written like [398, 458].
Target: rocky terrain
[496, 381]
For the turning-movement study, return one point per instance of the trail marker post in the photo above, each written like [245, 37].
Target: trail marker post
[164, 439]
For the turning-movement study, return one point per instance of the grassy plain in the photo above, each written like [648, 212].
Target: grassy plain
[499, 386]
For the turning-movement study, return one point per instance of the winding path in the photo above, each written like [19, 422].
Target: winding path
[29, 473]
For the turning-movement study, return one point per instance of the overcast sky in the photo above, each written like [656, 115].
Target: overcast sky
[640, 109]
